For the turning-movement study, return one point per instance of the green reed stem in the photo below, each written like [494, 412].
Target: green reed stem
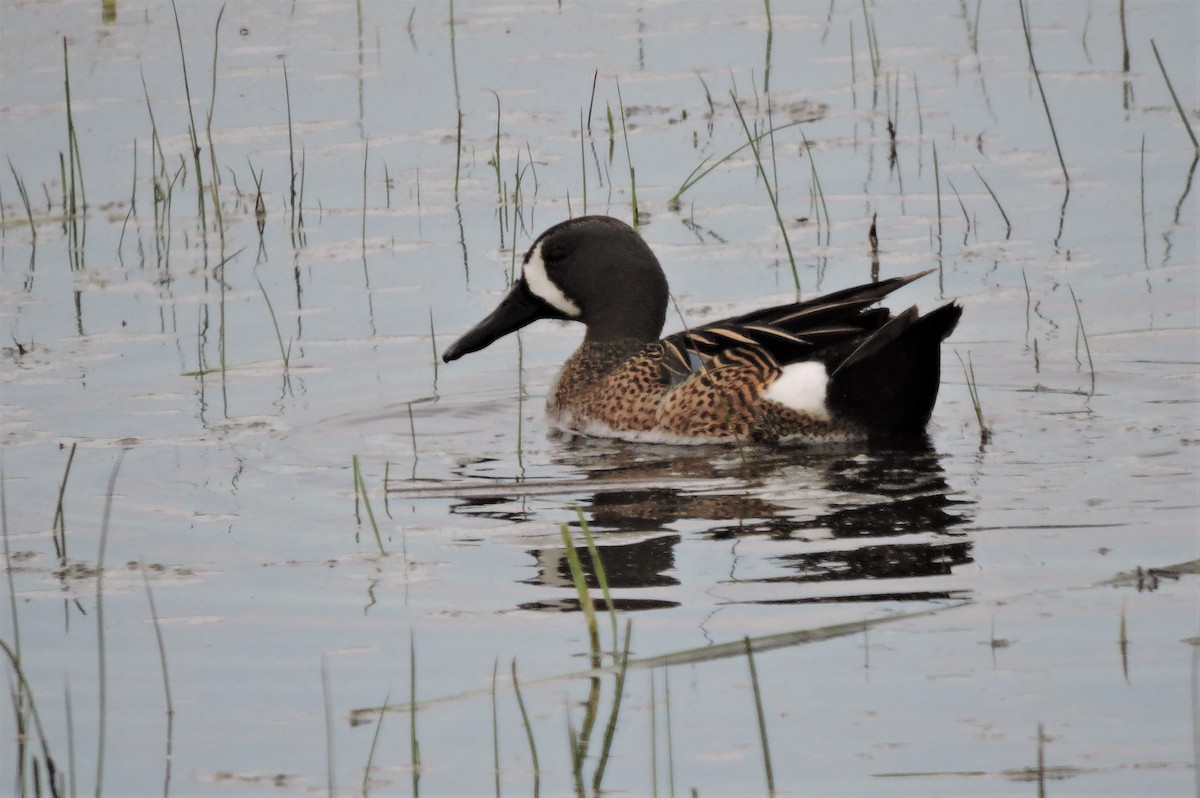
[601, 577]
[762, 721]
[1086, 346]
[770, 193]
[537, 772]
[1175, 97]
[374, 743]
[360, 489]
[585, 599]
[1045, 103]
[102, 671]
[162, 659]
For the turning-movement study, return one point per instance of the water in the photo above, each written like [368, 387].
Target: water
[1014, 562]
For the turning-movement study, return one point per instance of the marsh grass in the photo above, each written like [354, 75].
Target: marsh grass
[533, 755]
[414, 749]
[628, 159]
[215, 181]
[985, 431]
[1187, 124]
[366, 780]
[1123, 643]
[24, 201]
[360, 491]
[327, 703]
[192, 135]
[74, 195]
[285, 352]
[1082, 333]
[101, 650]
[995, 199]
[601, 577]
[762, 721]
[1037, 76]
[59, 525]
[752, 142]
[170, 704]
[581, 589]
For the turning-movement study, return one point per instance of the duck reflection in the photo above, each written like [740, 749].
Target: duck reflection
[879, 515]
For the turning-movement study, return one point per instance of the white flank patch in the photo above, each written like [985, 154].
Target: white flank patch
[543, 287]
[801, 387]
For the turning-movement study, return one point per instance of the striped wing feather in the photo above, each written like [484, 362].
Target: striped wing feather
[831, 329]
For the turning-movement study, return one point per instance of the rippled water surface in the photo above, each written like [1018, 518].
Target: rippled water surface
[956, 615]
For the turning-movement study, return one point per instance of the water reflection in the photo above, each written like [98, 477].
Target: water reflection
[848, 515]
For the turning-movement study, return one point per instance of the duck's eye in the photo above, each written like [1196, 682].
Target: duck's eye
[555, 254]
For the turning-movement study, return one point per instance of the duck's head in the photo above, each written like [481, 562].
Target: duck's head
[593, 269]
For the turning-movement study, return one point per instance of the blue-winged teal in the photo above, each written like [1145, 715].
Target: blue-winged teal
[828, 368]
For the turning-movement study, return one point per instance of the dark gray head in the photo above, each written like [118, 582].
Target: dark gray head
[593, 269]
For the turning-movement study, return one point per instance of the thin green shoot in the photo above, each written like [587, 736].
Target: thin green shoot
[582, 162]
[102, 660]
[628, 159]
[414, 745]
[537, 772]
[162, 659]
[191, 120]
[363, 232]
[366, 782]
[592, 102]
[287, 97]
[581, 589]
[709, 164]
[215, 183]
[937, 183]
[24, 689]
[25, 200]
[985, 432]
[1142, 197]
[433, 348]
[1045, 103]
[458, 148]
[770, 193]
[284, 352]
[495, 728]
[496, 159]
[60, 521]
[1175, 97]
[995, 199]
[1087, 348]
[327, 702]
[1123, 643]
[360, 490]
[762, 721]
[1041, 761]
[610, 729]
[8, 569]
[812, 165]
[962, 207]
[601, 577]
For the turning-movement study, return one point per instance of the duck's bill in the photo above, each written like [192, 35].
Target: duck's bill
[518, 308]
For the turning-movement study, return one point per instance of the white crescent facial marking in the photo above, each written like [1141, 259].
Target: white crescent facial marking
[543, 287]
[801, 387]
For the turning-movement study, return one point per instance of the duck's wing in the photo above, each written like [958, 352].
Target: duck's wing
[831, 329]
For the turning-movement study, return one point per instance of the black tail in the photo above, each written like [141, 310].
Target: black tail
[890, 382]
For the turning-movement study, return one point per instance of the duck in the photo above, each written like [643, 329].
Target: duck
[833, 368]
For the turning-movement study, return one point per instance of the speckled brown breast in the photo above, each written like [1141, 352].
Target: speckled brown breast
[624, 386]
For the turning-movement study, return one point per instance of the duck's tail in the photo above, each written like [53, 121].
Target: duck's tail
[889, 383]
